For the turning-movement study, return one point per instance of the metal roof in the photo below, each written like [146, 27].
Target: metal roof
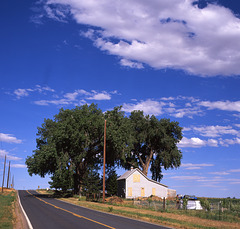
[130, 172]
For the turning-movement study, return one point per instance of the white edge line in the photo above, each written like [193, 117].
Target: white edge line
[28, 221]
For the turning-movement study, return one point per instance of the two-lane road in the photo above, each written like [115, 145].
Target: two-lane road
[44, 213]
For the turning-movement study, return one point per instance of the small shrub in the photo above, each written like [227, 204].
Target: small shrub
[205, 204]
[110, 209]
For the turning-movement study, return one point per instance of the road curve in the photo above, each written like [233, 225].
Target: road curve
[50, 213]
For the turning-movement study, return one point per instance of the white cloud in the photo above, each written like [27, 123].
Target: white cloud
[78, 98]
[21, 93]
[234, 171]
[220, 173]
[9, 157]
[24, 92]
[187, 178]
[184, 112]
[197, 142]
[54, 102]
[227, 142]
[190, 166]
[9, 138]
[222, 105]
[213, 131]
[163, 34]
[100, 96]
[150, 107]
[18, 166]
[131, 64]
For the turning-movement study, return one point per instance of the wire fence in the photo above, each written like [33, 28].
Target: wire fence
[216, 209]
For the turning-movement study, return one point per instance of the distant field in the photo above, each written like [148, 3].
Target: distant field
[7, 199]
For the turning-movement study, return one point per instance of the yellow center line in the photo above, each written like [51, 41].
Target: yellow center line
[79, 216]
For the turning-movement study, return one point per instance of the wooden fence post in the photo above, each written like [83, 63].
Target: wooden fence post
[164, 203]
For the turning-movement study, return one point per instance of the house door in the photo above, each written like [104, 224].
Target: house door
[142, 192]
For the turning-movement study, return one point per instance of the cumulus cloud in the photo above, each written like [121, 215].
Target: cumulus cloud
[214, 131]
[78, 98]
[197, 142]
[9, 138]
[18, 166]
[24, 92]
[162, 34]
[222, 105]
[9, 156]
[100, 96]
[150, 107]
[227, 142]
[131, 64]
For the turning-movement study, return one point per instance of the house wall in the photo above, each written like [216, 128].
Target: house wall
[143, 187]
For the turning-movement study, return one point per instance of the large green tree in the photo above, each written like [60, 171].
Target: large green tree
[154, 144]
[72, 142]
[68, 145]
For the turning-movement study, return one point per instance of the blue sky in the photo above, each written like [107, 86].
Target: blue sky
[176, 59]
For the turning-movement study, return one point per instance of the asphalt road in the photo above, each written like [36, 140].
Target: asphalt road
[44, 213]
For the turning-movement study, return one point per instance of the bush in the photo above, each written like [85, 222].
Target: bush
[205, 204]
[110, 209]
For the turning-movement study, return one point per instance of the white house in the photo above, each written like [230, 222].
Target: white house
[134, 183]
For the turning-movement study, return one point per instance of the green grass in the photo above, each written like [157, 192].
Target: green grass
[6, 213]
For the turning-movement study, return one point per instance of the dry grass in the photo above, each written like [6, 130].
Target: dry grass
[163, 218]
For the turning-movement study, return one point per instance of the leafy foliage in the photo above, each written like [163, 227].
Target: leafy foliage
[68, 145]
[91, 182]
[111, 183]
[72, 142]
[154, 143]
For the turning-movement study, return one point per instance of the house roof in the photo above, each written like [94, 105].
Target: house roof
[130, 172]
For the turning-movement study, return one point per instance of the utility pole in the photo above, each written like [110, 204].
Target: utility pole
[104, 159]
[8, 174]
[3, 173]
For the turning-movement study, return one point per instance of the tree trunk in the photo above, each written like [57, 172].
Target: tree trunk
[146, 165]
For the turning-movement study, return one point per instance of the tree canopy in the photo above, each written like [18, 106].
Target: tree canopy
[154, 144]
[72, 142]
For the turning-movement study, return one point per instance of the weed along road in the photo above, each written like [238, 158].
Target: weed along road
[44, 213]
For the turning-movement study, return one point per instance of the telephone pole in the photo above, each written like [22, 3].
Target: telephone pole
[8, 174]
[3, 173]
[104, 159]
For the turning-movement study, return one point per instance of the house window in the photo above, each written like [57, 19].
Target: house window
[142, 192]
[154, 191]
[136, 178]
[129, 191]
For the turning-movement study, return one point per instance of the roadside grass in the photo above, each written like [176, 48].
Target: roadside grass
[171, 218]
[7, 199]
[163, 218]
